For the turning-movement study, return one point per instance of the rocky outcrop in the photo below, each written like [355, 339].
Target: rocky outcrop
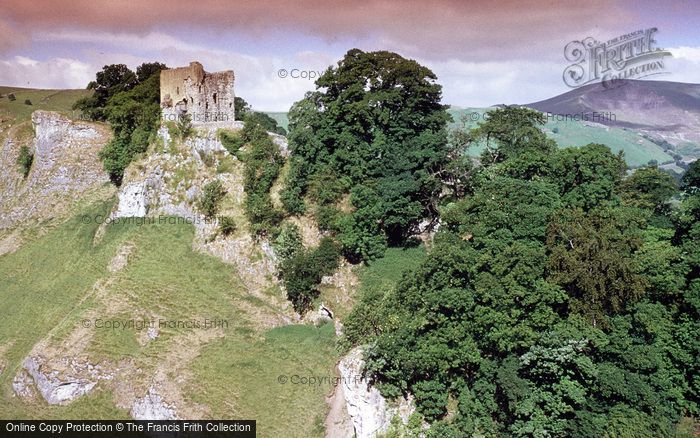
[54, 387]
[66, 167]
[169, 182]
[152, 407]
[371, 413]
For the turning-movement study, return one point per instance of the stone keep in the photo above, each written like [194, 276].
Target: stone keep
[206, 97]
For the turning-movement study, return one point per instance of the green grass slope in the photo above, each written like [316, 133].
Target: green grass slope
[49, 100]
[637, 149]
[281, 118]
[52, 284]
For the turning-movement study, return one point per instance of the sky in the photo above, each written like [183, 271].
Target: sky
[483, 52]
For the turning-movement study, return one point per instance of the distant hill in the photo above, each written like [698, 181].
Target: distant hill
[638, 149]
[666, 112]
[281, 119]
[49, 100]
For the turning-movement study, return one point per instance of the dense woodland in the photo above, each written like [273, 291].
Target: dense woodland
[560, 296]
[561, 292]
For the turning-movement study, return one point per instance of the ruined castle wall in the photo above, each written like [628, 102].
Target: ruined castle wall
[206, 97]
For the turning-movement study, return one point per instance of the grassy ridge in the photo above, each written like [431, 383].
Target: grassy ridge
[49, 100]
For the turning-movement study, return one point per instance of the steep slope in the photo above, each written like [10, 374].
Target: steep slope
[65, 170]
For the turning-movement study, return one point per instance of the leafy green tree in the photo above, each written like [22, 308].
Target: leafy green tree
[512, 132]
[588, 175]
[691, 178]
[648, 188]
[134, 115]
[592, 258]
[376, 119]
[240, 107]
[148, 69]
[303, 270]
[111, 80]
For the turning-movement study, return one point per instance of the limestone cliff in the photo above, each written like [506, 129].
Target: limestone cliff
[66, 168]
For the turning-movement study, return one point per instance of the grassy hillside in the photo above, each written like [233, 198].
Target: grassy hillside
[281, 119]
[638, 150]
[52, 284]
[50, 100]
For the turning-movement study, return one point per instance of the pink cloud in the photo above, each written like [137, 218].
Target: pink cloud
[440, 29]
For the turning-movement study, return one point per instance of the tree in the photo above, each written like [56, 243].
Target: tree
[376, 119]
[303, 270]
[592, 258]
[691, 179]
[240, 107]
[648, 188]
[111, 80]
[134, 117]
[588, 175]
[511, 132]
[148, 69]
[131, 106]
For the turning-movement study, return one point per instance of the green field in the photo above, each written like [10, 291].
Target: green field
[51, 284]
[49, 100]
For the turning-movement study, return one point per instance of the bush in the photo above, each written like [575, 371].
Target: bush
[231, 141]
[288, 242]
[303, 271]
[184, 126]
[263, 163]
[25, 160]
[226, 225]
[12, 97]
[27, 102]
[210, 201]
[326, 216]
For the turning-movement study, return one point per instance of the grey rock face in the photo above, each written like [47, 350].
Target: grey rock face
[66, 165]
[152, 407]
[51, 387]
[371, 414]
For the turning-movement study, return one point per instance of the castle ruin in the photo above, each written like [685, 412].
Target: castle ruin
[206, 97]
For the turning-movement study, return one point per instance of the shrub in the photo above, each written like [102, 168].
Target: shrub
[231, 141]
[184, 126]
[12, 97]
[263, 163]
[208, 159]
[27, 102]
[227, 225]
[326, 216]
[303, 271]
[288, 242]
[210, 201]
[25, 160]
